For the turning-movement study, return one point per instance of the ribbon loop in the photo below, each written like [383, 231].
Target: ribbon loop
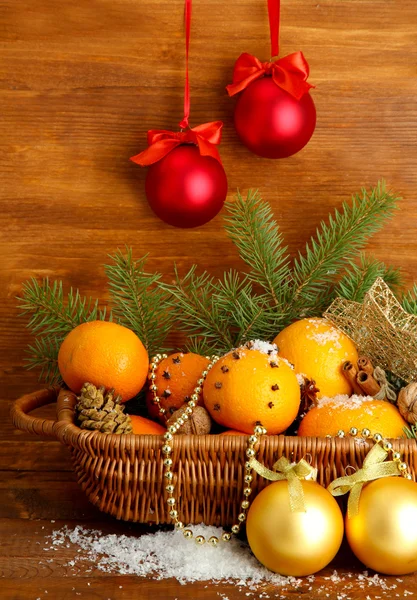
[290, 73]
[283, 470]
[160, 142]
[374, 467]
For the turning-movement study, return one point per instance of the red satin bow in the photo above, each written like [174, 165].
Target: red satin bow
[161, 142]
[289, 73]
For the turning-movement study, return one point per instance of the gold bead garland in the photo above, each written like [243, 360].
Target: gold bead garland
[152, 386]
[167, 452]
[365, 433]
[387, 446]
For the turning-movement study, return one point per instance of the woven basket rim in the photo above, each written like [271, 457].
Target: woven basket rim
[65, 429]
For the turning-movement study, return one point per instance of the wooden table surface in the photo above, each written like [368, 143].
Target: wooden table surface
[80, 84]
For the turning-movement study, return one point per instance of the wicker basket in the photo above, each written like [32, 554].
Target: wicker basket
[123, 474]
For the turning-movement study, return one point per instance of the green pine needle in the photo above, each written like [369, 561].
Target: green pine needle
[409, 301]
[138, 301]
[44, 356]
[411, 432]
[358, 279]
[197, 313]
[251, 226]
[338, 242]
[50, 313]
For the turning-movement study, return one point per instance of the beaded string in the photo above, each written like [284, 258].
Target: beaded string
[167, 451]
[387, 446]
[250, 453]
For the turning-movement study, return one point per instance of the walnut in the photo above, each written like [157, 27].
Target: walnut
[407, 402]
[199, 423]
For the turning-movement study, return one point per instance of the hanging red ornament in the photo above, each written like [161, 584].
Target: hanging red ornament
[275, 115]
[186, 184]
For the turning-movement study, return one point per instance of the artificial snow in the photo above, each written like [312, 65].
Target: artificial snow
[301, 377]
[345, 402]
[167, 554]
[264, 347]
[163, 555]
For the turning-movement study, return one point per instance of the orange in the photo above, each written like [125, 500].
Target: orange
[104, 354]
[318, 349]
[176, 378]
[333, 414]
[247, 386]
[142, 426]
[232, 432]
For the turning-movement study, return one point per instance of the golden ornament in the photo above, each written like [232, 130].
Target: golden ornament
[383, 535]
[295, 543]
[380, 328]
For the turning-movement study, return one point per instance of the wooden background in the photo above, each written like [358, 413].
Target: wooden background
[80, 84]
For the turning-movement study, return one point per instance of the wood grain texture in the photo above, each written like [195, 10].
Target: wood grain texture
[80, 84]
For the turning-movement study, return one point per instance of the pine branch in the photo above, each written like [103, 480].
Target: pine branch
[198, 314]
[339, 242]
[199, 345]
[49, 313]
[246, 311]
[138, 301]
[44, 356]
[409, 301]
[358, 279]
[51, 317]
[411, 432]
[251, 226]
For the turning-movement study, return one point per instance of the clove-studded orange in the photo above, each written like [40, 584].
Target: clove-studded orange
[252, 384]
[176, 378]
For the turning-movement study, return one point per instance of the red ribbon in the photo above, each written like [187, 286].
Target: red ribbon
[161, 142]
[289, 73]
[187, 18]
[273, 15]
[206, 137]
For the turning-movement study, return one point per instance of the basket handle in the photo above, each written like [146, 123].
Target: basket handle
[65, 399]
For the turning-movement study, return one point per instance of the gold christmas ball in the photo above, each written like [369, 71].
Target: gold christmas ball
[294, 543]
[383, 535]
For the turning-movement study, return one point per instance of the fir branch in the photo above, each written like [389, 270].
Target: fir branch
[199, 345]
[358, 279]
[338, 242]
[138, 301]
[49, 313]
[44, 356]
[198, 314]
[246, 311]
[411, 432]
[251, 226]
[409, 301]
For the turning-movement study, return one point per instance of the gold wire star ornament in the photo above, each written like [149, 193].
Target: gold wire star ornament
[380, 328]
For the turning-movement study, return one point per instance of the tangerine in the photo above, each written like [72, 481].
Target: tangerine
[250, 385]
[176, 378]
[105, 354]
[334, 414]
[318, 349]
[141, 425]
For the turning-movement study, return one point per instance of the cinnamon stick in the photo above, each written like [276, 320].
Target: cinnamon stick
[364, 364]
[368, 384]
[350, 372]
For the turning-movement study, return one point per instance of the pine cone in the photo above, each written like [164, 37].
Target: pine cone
[98, 409]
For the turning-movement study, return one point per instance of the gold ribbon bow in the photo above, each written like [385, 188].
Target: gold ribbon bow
[373, 468]
[282, 470]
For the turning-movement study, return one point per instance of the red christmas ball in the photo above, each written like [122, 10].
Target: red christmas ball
[271, 122]
[186, 189]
